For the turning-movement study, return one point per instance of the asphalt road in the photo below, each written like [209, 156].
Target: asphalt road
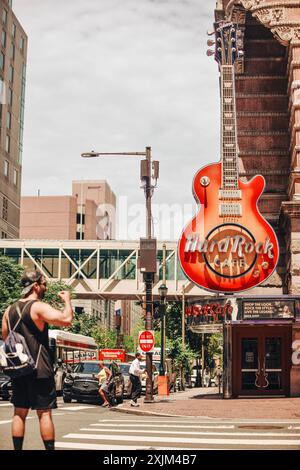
[90, 427]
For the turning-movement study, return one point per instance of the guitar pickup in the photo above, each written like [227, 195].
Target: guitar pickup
[230, 194]
[232, 210]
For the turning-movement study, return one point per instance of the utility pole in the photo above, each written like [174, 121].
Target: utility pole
[148, 276]
[148, 252]
[183, 317]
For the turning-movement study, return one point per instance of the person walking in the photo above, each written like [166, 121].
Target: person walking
[206, 378]
[30, 317]
[135, 373]
[104, 377]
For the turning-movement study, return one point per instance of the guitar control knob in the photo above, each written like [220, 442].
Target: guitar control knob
[204, 181]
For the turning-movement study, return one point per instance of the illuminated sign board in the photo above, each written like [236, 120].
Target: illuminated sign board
[268, 309]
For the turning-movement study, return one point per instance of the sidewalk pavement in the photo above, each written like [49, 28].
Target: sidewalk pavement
[207, 403]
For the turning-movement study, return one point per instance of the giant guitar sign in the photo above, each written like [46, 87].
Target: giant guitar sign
[228, 246]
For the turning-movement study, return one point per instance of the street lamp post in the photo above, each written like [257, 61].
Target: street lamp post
[163, 291]
[147, 166]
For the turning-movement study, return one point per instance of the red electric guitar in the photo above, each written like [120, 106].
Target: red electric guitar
[228, 246]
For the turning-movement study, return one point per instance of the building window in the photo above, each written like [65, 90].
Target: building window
[13, 30]
[7, 144]
[79, 236]
[6, 168]
[4, 208]
[8, 120]
[22, 45]
[15, 177]
[1, 61]
[3, 39]
[78, 218]
[10, 97]
[11, 73]
[4, 16]
[12, 51]
[3, 235]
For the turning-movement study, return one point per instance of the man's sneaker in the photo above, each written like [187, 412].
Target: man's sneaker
[133, 403]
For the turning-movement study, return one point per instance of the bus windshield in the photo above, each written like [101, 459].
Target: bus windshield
[87, 368]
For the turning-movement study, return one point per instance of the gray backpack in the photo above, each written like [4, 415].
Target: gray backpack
[15, 357]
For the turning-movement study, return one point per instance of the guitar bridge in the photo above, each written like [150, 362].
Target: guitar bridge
[231, 210]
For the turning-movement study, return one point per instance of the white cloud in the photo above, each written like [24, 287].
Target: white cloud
[118, 75]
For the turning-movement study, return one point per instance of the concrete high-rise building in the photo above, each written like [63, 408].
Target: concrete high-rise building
[13, 56]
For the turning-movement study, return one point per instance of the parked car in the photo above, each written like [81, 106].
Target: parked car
[5, 387]
[125, 366]
[82, 384]
[155, 375]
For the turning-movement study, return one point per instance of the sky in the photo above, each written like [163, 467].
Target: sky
[120, 75]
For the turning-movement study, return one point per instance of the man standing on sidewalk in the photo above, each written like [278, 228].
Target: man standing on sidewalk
[30, 317]
[135, 373]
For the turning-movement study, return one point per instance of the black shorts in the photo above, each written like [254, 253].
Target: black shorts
[37, 394]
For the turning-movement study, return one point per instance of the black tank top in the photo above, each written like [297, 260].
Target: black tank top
[34, 338]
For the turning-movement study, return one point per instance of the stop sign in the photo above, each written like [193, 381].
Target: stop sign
[146, 340]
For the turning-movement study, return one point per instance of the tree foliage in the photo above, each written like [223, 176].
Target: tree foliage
[104, 338]
[181, 356]
[10, 283]
[51, 295]
[83, 324]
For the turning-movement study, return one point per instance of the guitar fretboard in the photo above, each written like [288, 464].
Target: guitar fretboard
[228, 129]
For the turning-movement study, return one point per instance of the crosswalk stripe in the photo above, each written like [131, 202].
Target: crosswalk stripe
[76, 408]
[169, 426]
[203, 433]
[181, 440]
[85, 446]
[6, 404]
[202, 420]
[10, 420]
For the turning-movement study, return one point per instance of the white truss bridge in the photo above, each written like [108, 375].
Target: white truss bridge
[101, 269]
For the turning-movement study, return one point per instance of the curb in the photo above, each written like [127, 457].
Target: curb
[152, 413]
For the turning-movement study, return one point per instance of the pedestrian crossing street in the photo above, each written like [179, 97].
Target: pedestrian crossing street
[129, 432]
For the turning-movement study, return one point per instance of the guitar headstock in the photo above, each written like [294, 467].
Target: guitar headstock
[227, 43]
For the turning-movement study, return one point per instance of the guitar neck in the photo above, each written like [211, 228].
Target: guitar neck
[229, 155]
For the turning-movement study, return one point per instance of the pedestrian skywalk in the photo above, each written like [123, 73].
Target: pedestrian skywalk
[153, 433]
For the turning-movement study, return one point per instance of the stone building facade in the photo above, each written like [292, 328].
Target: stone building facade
[268, 123]
[268, 118]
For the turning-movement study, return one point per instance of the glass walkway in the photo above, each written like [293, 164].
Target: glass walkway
[106, 269]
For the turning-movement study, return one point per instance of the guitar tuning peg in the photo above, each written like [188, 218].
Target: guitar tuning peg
[241, 53]
[239, 33]
[210, 33]
[210, 52]
[210, 42]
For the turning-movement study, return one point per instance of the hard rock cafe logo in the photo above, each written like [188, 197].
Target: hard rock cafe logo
[231, 251]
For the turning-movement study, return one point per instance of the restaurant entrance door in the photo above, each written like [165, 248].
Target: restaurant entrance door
[261, 360]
